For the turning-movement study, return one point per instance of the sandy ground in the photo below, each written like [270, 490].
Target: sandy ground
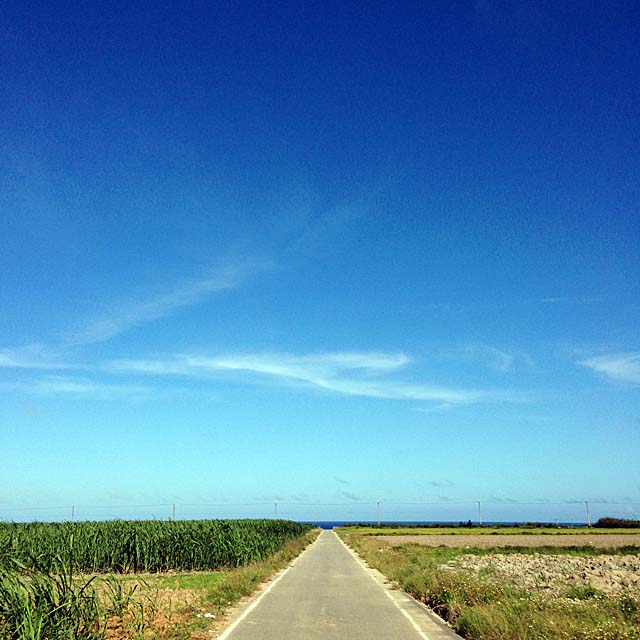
[602, 541]
[557, 575]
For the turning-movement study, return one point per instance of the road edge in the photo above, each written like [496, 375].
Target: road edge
[433, 627]
[243, 608]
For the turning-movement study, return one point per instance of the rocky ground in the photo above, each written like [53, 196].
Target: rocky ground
[557, 574]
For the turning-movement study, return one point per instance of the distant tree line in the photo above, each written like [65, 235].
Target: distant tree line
[617, 523]
[602, 523]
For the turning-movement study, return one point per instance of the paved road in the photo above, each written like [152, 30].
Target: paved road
[329, 594]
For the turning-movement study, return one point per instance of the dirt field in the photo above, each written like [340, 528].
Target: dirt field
[557, 575]
[602, 541]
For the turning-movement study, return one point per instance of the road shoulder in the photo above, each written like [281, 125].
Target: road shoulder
[429, 625]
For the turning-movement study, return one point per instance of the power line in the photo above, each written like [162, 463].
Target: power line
[294, 505]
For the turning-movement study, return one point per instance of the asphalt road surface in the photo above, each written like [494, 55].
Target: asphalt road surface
[328, 593]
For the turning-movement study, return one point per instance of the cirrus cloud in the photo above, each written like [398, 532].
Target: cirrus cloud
[347, 373]
[622, 367]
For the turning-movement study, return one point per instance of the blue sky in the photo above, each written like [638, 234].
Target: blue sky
[323, 255]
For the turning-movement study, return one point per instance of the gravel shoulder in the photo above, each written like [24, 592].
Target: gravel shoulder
[600, 541]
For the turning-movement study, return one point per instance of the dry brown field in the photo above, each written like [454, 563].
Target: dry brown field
[483, 541]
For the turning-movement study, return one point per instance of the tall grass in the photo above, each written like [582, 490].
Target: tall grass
[134, 546]
[39, 606]
[43, 595]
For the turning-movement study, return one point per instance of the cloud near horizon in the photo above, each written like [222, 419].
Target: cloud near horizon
[348, 373]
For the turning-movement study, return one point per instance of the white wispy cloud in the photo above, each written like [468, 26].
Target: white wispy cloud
[34, 356]
[623, 367]
[438, 408]
[458, 307]
[560, 300]
[321, 228]
[132, 313]
[304, 367]
[405, 391]
[56, 385]
[348, 373]
[311, 367]
[490, 357]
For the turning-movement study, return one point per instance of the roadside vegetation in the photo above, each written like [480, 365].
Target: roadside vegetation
[481, 603]
[134, 580]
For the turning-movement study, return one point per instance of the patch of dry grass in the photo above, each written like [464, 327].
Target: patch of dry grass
[181, 606]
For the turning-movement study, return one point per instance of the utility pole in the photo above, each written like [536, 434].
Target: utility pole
[479, 514]
[275, 508]
[73, 514]
[588, 515]
[378, 508]
[173, 512]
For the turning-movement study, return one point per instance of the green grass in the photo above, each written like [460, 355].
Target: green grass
[500, 531]
[122, 546]
[46, 606]
[46, 594]
[196, 580]
[484, 607]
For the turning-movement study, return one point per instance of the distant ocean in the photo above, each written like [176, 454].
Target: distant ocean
[331, 524]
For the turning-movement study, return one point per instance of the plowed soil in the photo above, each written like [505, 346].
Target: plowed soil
[557, 574]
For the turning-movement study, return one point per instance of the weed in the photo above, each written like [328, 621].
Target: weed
[585, 592]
